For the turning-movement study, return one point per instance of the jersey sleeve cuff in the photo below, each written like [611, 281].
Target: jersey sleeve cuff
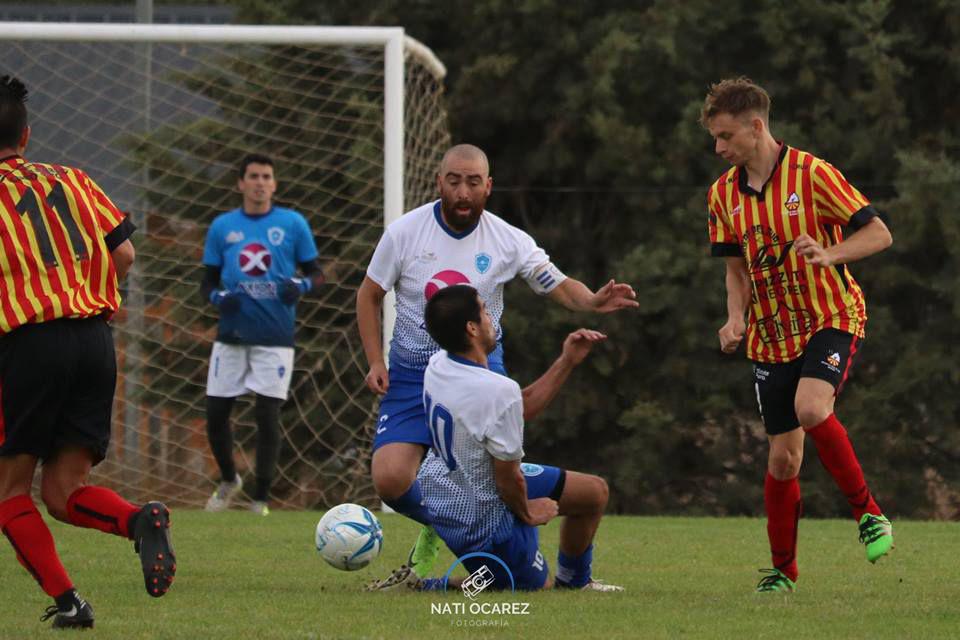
[120, 234]
[862, 217]
[725, 250]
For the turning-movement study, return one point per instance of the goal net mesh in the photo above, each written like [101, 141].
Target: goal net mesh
[161, 128]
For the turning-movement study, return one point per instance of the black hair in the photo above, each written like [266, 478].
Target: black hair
[447, 314]
[13, 110]
[253, 158]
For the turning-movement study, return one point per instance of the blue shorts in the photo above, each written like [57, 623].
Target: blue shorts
[521, 550]
[401, 417]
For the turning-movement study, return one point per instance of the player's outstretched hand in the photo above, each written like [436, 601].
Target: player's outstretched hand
[228, 302]
[731, 334]
[812, 251]
[614, 296]
[579, 343]
[542, 511]
[377, 379]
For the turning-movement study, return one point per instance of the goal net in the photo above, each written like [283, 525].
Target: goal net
[161, 121]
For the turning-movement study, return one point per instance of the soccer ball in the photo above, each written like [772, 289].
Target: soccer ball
[349, 537]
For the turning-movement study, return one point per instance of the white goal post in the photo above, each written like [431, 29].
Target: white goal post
[159, 115]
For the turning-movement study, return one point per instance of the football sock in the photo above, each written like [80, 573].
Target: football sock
[100, 508]
[31, 540]
[432, 584]
[574, 571]
[411, 504]
[219, 435]
[267, 411]
[837, 455]
[782, 498]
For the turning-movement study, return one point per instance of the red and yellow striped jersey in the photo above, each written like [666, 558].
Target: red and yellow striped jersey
[791, 300]
[57, 229]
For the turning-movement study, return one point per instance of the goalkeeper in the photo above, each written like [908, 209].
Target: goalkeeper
[251, 256]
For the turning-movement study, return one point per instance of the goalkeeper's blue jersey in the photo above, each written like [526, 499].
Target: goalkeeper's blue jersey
[255, 253]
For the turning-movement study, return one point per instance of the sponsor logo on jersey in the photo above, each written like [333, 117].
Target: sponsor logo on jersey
[482, 260]
[442, 280]
[255, 259]
[275, 236]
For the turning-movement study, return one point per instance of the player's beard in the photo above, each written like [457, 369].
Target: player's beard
[461, 221]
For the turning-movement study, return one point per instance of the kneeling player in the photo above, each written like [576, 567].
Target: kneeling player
[481, 497]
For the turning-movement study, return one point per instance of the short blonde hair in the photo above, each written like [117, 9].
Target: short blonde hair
[735, 96]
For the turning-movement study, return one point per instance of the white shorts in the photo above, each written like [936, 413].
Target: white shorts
[238, 368]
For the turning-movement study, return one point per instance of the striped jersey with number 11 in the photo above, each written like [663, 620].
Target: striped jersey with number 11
[57, 229]
[791, 300]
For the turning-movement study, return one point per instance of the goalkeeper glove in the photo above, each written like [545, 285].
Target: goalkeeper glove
[290, 290]
[227, 302]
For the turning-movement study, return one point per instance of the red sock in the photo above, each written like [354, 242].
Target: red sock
[100, 508]
[31, 539]
[782, 498]
[837, 455]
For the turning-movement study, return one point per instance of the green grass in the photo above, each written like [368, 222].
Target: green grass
[245, 577]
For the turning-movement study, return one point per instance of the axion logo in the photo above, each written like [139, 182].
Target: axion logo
[442, 280]
[255, 259]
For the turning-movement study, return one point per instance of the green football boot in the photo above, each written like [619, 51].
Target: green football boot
[876, 533]
[775, 581]
[425, 553]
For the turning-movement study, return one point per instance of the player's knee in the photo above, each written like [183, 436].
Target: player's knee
[601, 493]
[785, 464]
[598, 493]
[390, 484]
[55, 501]
[811, 413]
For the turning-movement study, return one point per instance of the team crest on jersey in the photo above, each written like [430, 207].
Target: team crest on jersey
[792, 204]
[483, 261]
[234, 237]
[275, 236]
[255, 259]
[281, 370]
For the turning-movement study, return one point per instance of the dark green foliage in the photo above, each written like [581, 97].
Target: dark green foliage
[589, 114]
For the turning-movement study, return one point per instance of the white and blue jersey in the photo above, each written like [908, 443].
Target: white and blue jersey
[254, 254]
[474, 416]
[419, 254]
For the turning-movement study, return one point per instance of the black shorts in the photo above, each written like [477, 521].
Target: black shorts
[57, 381]
[828, 356]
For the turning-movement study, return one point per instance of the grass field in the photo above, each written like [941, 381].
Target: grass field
[240, 577]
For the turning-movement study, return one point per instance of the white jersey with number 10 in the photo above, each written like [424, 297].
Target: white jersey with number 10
[475, 415]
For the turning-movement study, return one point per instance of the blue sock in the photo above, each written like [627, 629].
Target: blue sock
[433, 584]
[574, 571]
[411, 505]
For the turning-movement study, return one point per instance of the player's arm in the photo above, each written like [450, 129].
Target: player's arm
[871, 238]
[512, 488]
[369, 306]
[738, 301]
[538, 395]
[123, 256]
[576, 296]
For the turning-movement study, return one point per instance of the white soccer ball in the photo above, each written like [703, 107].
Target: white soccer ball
[349, 537]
